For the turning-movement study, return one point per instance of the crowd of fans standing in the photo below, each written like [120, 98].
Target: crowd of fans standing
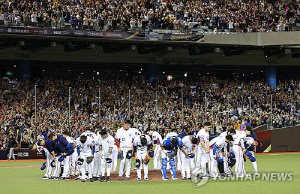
[184, 15]
[184, 105]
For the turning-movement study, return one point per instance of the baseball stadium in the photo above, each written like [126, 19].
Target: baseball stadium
[149, 96]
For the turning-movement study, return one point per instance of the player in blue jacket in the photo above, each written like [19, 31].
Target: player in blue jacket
[169, 151]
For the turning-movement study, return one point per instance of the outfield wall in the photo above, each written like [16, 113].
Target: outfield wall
[23, 153]
[286, 139]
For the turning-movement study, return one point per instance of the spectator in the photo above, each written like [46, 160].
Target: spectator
[12, 143]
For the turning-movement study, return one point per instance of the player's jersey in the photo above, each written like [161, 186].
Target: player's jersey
[138, 144]
[125, 137]
[248, 141]
[238, 138]
[223, 134]
[86, 147]
[187, 143]
[136, 131]
[171, 134]
[167, 143]
[70, 139]
[156, 137]
[204, 136]
[106, 143]
[217, 144]
[89, 134]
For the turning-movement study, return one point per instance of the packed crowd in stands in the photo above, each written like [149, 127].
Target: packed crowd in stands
[231, 15]
[225, 103]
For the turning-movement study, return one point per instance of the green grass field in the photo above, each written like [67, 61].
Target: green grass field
[28, 180]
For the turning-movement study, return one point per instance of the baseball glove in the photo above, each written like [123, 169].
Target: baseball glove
[108, 160]
[137, 163]
[80, 161]
[146, 159]
[43, 166]
[129, 154]
[89, 159]
[52, 164]
[151, 153]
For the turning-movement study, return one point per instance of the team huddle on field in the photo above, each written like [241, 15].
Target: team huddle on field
[94, 155]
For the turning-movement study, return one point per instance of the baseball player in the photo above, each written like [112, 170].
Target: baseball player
[169, 151]
[203, 150]
[49, 145]
[68, 146]
[96, 168]
[85, 150]
[156, 141]
[187, 155]
[125, 136]
[96, 164]
[217, 153]
[237, 149]
[106, 143]
[249, 149]
[174, 133]
[142, 145]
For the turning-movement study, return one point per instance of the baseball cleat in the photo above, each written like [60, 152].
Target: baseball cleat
[165, 178]
[146, 179]
[174, 178]
[91, 180]
[83, 180]
[102, 179]
[138, 179]
[107, 179]
[77, 178]
[256, 174]
[184, 178]
[44, 177]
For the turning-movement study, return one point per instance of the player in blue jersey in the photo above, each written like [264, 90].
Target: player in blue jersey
[169, 151]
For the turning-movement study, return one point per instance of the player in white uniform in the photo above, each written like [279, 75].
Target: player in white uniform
[226, 149]
[237, 148]
[106, 143]
[249, 149]
[125, 136]
[156, 141]
[203, 150]
[85, 149]
[67, 162]
[218, 146]
[142, 145]
[96, 163]
[187, 155]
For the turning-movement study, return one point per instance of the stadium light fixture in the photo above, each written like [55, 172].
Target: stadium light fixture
[185, 74]
[22, 43]
[53, 43]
